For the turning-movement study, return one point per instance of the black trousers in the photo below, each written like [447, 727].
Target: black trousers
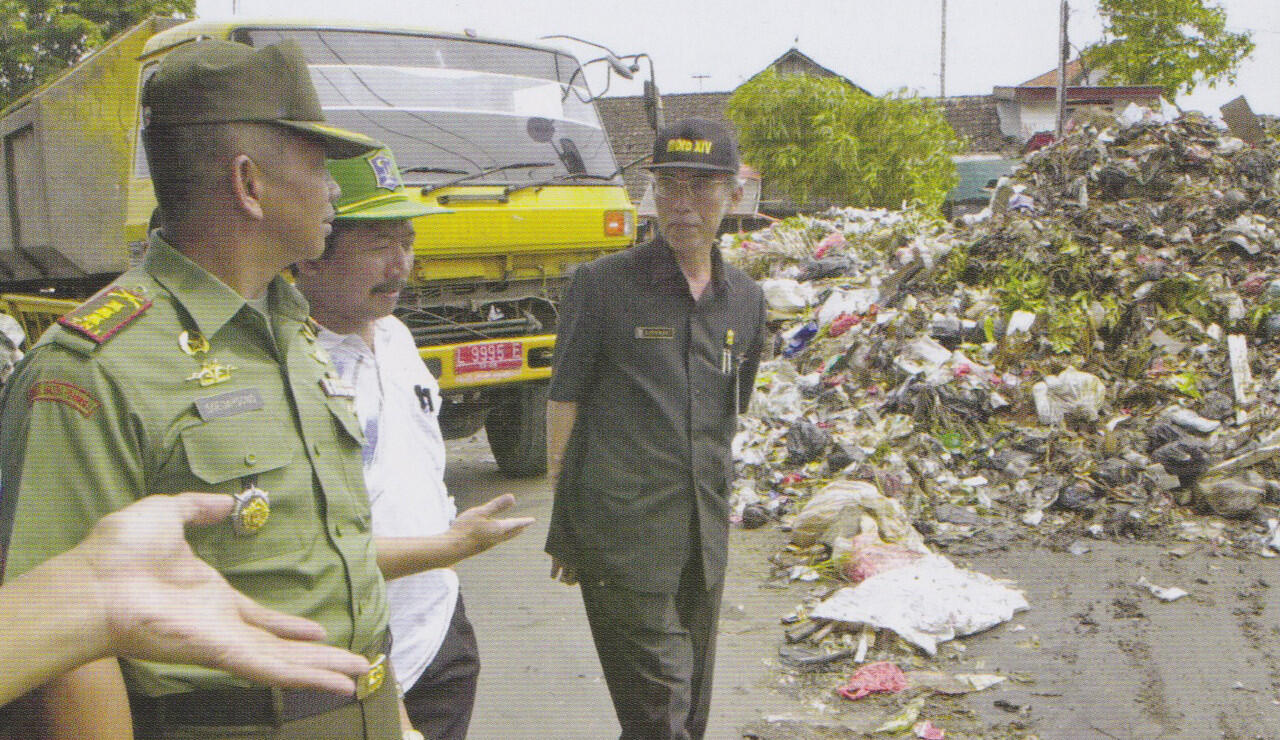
[439, 704]
[658, 654]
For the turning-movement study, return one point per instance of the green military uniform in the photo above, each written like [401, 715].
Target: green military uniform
[169, 381]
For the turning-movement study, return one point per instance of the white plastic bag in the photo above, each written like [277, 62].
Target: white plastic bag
[787, 295]
[1069, 394]
[927, 602]
[848, 500]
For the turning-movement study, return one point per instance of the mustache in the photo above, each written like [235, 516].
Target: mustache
[389, 286]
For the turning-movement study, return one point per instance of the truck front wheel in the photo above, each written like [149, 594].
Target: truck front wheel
[517, 430]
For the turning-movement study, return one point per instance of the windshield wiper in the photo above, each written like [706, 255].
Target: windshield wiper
[508, 190]
[429, 189]
[436, 170]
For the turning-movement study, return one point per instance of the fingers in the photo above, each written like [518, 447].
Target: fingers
[508, 528]
[201, 508]
[563, 573]
[496, 505]
[278, 623]
[297, 665]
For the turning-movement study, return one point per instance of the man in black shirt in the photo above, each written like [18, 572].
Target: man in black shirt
[656, 351]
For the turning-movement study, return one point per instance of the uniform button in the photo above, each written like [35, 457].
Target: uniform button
[250, 459]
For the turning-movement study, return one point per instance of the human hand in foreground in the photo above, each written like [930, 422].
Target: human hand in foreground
[477, 530]
[160, 602]
[563, 572]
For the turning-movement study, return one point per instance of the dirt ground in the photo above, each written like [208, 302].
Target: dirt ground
[1094, 657]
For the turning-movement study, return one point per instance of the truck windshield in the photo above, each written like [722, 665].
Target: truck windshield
[456, 106]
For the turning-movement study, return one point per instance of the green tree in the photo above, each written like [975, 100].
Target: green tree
[39, 39]
[1175, 44]
[821, 138]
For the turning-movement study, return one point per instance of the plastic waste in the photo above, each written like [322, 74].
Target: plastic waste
[925, 603]
[786, 294]
[806, 442]
[868, 555]
[1069, 395]
[874, 678]
[798, 339]
[1161, 592]
[834, 240]
[854, 301]
[848, 502]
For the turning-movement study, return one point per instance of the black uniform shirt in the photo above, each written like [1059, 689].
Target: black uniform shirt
[657, 378]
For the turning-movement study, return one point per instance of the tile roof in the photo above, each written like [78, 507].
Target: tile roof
[628, 128]
[1075, 76]
[976, 121]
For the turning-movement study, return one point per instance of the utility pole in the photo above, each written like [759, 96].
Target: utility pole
[942, 72]
[699, 78]
[1063, 50]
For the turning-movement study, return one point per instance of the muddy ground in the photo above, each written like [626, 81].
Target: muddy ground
[1094, 657]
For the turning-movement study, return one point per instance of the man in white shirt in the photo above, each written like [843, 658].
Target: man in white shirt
[418, 533]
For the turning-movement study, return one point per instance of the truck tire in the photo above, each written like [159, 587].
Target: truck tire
[517, 430]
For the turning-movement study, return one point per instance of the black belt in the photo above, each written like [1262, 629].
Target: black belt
[230, 707]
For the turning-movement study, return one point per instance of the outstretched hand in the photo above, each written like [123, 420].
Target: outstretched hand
[163, 603]
[479, 530]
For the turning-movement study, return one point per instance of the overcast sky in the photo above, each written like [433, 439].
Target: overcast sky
[715, 45]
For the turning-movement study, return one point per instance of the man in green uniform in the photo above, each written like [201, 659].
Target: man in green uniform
[199, 370]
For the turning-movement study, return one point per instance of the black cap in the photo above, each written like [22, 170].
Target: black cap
[695, 143]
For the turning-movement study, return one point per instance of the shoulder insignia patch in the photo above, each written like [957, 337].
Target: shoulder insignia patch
[65, 393]
[100, 317]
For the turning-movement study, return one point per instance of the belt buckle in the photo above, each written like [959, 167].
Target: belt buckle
[369, 683]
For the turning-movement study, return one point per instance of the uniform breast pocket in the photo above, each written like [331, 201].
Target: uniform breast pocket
[226, 456]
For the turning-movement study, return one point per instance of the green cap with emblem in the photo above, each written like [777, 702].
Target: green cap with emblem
[372, 189]
[215, 81]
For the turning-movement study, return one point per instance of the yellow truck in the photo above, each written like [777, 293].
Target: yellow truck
[502, 133]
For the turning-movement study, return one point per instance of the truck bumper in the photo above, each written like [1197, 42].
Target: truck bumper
[468, 366]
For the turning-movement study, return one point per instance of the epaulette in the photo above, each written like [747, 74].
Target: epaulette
[104, 315]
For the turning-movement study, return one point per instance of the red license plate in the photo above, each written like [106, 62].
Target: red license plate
[473, 358]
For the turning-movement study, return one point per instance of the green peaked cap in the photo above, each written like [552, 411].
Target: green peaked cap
[372, 189]
[215, 81]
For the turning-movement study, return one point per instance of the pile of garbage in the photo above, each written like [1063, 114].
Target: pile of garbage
[1097, 348]
[1097, 354]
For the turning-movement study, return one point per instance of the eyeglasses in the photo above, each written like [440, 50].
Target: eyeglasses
[669, 183]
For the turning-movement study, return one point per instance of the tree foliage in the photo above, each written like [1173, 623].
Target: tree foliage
[1175, 44]
[821, 138]
[40, 38]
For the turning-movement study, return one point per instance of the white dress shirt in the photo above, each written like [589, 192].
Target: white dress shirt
[397, 402]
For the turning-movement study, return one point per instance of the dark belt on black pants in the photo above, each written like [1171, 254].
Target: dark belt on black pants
[253, 706]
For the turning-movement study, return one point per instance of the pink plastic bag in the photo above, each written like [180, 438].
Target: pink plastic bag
[834, 239]
[882, 677]
[870, 556]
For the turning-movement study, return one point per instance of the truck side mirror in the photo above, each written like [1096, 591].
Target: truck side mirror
[540, 129]
[653, 105]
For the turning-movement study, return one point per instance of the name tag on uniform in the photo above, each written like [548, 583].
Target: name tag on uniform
[229, 404]
[655, 332]
[335, 387]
